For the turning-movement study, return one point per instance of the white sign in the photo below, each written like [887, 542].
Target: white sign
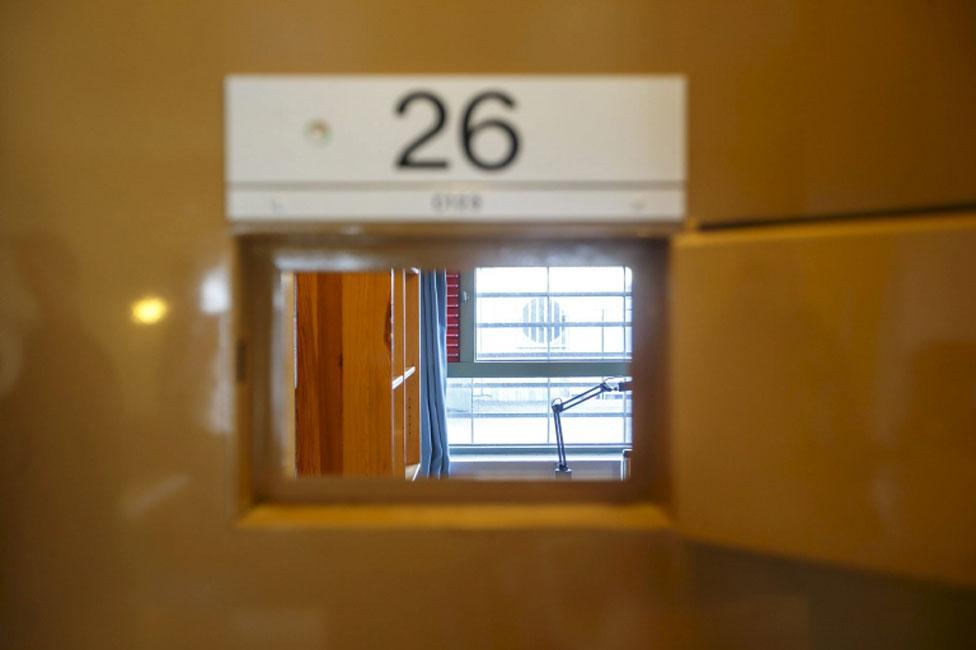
[444, 148]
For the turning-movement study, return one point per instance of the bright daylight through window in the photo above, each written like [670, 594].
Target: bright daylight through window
[528, 336]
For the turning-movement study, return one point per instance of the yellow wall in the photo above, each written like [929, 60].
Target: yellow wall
[825, 391]
[114, 435]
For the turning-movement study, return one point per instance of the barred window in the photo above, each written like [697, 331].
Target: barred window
[532, 334]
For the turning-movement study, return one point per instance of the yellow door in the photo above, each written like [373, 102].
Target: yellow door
[821, 352]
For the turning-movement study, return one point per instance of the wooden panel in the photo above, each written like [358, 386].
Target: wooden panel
[367, 373]
[307, 407]
[351, 355]
[412, 352]
[399, 367]
[319, 389]
[824, 385]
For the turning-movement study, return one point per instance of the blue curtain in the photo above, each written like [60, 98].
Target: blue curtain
[434, 458]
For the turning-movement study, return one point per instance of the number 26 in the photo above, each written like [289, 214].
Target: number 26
[469, 130]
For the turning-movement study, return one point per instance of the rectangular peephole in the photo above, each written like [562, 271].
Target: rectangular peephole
[453, 371]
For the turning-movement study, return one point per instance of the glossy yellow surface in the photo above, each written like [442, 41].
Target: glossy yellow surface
[483, 516]
[825, 392]
[116, 525]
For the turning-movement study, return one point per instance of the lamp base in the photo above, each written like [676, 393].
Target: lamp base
[563, 473]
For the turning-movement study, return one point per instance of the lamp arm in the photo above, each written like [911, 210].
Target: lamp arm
[576, 400]
[558, 406]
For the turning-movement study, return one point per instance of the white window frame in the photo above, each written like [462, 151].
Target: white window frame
[469, 367]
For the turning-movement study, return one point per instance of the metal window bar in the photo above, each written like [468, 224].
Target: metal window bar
[549, 323]
[554, 294]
